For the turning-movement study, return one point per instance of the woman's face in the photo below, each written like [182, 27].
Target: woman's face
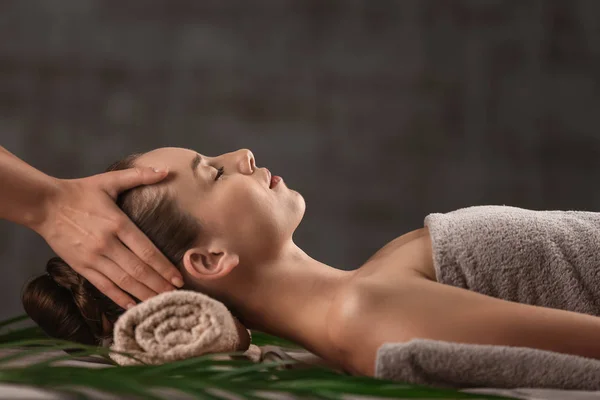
[237, 206]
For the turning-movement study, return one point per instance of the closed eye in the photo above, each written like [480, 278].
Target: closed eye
[219, 173]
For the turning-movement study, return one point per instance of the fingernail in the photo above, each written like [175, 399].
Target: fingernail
[130, 305]
[159, 170]
[177, 281]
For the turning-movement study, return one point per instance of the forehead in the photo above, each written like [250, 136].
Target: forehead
[178, 162]
[173, 158]
[181, 181]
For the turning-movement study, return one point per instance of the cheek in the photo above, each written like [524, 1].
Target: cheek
[247, 206]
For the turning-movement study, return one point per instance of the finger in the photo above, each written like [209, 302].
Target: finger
[123, 280]
[138, 269]
[115, 182]
[144, 249]
[107, 287]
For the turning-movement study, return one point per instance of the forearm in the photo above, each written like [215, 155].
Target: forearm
[24, 191]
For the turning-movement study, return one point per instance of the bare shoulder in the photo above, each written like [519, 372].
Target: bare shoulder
[345, 323]
[408, 255]
[358, 313]
[398, 242]
[373, 308]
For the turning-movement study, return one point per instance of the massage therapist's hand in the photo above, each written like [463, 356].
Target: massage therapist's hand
[85, 227]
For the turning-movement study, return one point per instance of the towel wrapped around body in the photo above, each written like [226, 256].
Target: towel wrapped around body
[542, 258]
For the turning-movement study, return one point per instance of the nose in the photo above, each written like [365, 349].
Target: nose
[247, 161]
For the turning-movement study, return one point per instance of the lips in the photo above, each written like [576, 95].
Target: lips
[273, 179]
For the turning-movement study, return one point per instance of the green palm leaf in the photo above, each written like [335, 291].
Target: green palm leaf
[203, 377]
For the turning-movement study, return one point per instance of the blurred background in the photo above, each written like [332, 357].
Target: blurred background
[377, 112]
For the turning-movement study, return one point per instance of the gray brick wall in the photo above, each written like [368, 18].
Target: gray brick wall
[378, 112]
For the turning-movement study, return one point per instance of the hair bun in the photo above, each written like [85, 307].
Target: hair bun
[64, 304]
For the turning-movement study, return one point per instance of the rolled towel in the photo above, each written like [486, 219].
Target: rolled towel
[178, 325]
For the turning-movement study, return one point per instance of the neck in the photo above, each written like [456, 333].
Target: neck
[290, 297]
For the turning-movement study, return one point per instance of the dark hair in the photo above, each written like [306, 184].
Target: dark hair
[66, 306]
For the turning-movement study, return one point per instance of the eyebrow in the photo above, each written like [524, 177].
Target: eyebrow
[194, 164]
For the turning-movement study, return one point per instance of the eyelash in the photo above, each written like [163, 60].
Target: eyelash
[221, 170]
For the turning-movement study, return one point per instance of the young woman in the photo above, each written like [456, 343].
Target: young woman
[229, 226]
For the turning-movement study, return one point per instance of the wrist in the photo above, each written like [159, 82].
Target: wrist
[42, 207]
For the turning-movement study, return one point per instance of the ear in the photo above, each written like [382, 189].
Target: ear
[209, 262]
